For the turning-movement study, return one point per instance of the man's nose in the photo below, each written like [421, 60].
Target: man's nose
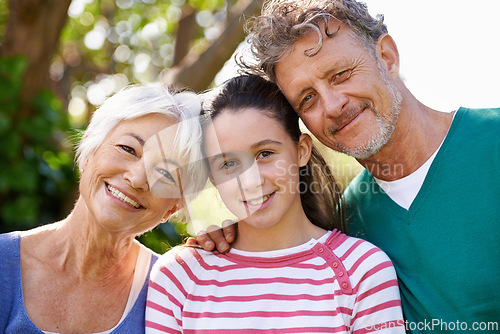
[333, 103]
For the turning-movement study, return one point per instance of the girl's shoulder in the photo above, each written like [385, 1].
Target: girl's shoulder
[356, 251]
[182, 255]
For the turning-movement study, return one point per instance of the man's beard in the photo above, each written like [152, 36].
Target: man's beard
[386, 123]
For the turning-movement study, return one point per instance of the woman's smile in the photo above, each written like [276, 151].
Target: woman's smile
[114, 192]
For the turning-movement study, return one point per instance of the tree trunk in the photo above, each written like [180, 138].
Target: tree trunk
[33, 30]
[185, 32]
[198, 71]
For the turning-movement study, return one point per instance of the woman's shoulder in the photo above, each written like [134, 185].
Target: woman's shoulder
[9, 237]
[10, 272]
[9, 246]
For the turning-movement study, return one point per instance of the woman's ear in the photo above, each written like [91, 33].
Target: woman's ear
[388, 53]
[170, 212]
[304, 149]
[82, 164]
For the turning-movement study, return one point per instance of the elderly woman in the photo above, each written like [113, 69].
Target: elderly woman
[87, 273]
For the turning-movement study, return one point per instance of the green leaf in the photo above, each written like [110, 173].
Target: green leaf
[5, 123]
[22, 210]
[11, 145]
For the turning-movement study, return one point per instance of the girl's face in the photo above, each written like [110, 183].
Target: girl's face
[254, 165]
[128, 185]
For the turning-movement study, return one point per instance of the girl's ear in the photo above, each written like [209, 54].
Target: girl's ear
[304, 149]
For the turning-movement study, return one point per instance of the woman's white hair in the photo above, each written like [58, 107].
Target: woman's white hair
[135, 101]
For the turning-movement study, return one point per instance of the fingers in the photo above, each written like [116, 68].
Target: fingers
[204, 241]
[191, 242]
[216, 234]
[216, 237]
[230, 229]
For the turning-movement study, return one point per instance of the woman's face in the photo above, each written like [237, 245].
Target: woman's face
[131, 182]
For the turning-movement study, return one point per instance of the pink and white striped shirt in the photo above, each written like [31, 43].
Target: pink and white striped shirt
[336, 284]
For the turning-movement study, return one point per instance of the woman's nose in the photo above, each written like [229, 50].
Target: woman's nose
[136, 175]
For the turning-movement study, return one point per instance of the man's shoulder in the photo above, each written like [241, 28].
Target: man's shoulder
[360, 190]
[354, 187]
[480, 124]
[478, 117]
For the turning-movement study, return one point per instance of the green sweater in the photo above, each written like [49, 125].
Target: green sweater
[446, 247]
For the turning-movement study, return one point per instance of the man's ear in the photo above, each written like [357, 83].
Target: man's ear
[388, 53]
[304, 149]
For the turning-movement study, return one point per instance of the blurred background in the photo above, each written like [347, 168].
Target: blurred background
[60, 59]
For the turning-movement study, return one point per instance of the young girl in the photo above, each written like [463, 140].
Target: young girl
[290, 270]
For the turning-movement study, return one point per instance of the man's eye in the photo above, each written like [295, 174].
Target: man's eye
[127, 149]
[305, 101]
[341, 76]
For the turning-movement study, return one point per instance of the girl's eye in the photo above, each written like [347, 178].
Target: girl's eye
[165, 173]
[128, 149]
[264, 154]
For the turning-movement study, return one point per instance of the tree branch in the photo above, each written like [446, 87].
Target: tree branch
[198, 71]
[185, 31]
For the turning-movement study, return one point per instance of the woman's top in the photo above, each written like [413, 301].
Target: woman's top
[334, 284]
[13, 316]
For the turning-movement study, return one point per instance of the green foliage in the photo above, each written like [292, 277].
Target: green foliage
[134, 38]
[4, 14]
[165, 236]
[36, 167]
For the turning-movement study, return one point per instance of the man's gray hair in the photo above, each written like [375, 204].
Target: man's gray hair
[284, 22]
[135, 101]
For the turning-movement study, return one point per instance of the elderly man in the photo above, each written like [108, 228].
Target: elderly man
[429, 194]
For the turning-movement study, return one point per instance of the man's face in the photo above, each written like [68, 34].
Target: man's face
[344, 96]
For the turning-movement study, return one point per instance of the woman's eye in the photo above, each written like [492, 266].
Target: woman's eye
[128, 149]
[226, 165]
[165, 173]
